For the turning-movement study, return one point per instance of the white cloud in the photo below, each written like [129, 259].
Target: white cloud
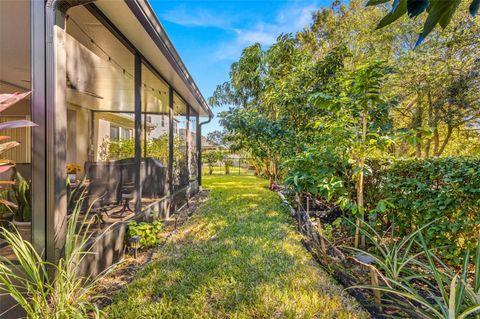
[181, 15]
[291, 18]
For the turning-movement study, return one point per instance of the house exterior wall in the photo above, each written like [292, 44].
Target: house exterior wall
[56, 141]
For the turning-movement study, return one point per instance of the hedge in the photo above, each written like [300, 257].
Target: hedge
[409, 193]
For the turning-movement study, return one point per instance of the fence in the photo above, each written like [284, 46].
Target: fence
[235, 166]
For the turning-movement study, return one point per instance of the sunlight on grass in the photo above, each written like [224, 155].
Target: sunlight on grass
[238, 257]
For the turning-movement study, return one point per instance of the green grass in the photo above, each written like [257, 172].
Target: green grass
[238, 257]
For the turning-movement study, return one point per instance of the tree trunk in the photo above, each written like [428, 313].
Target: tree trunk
[361, 165]
[445, 141]
[418, 126]
[430, 124]
[436, 134]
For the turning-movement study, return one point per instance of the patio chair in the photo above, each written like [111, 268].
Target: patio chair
[104, 187]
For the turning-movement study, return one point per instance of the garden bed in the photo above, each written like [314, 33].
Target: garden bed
[126, 270]
[346, 268]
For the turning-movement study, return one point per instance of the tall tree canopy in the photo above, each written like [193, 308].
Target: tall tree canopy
[438, 12]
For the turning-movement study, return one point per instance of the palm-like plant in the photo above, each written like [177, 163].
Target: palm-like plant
[393, 257]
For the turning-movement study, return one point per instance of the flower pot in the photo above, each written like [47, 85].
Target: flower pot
[24, 229]
[72, 177]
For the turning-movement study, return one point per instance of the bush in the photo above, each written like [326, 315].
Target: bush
[149, 232]
[228, 163]
[412, 192]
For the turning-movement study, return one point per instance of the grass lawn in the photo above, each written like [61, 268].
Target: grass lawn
[238, 257]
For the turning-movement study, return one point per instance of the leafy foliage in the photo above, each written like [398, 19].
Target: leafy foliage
[428, 288]
[314, 108]
[21, 196]
[116, 149]
[149, 232]
[411, 193]
[211, 158]
[438, 12]
[7, 101]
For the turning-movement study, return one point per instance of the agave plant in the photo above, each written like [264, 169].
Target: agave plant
[64, 294]
[393, 257]
[6, 101]
[439, 291]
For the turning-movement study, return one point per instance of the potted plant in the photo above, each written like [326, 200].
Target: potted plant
[22, 218]
[72, 171]
[21, 191]
[6, 213]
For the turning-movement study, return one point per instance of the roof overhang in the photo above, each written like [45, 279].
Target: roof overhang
[137, 22]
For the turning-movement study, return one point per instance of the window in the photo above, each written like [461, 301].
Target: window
[15, 75]
[100, 92]
[114, 132]
[155, 136]
[180, 165]
[125, 134]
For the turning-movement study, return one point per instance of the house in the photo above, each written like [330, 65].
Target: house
[206, 144]
[99, 71]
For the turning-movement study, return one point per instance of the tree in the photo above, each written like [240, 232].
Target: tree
[217, 137]
[211, 158]
[438, 12]
[367, 96]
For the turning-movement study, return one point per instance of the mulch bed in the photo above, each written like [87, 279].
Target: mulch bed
[344, 268]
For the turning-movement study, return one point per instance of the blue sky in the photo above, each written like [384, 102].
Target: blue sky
[210, 35]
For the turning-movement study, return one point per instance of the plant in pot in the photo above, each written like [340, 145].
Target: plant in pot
[22, 219]
[6, 213]
[22, 189]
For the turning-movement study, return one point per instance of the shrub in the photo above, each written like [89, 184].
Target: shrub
[149, 232]
[413, 192]
[228, 163]
[211, 158]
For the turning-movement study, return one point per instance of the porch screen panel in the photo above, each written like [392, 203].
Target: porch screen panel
[193, 145]
[100, 116]
[180, 171]
[155, 131]
[15, 77]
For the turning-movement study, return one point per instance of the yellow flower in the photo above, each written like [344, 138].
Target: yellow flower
[73, 168]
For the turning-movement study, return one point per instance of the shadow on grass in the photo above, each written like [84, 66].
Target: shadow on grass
[238, 257]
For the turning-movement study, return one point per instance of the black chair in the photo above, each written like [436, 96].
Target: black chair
[104, 187]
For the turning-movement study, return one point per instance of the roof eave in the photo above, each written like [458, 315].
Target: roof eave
[145, 14]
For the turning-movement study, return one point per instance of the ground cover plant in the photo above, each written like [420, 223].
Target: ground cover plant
[239, 256]
[149, 233]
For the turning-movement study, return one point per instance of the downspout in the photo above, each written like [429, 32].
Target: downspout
[199, 147]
